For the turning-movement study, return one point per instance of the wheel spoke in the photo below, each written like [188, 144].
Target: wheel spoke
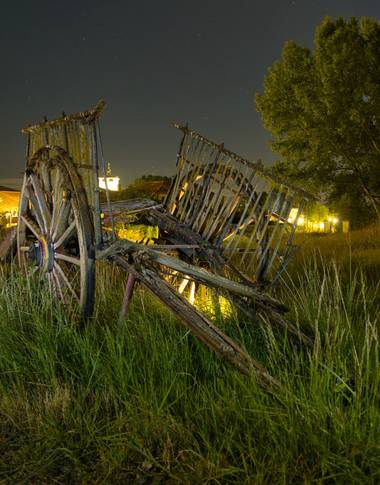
[35, 209]
[57, 200]
[30, 224]
[61, 219]
[67, 258]
[66, 235]
[46, 177]
[49, 276]
[57, 270]
[57, 285]
[41, 201]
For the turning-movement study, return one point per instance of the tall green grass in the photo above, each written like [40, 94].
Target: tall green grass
[143, 402]
[355, 249]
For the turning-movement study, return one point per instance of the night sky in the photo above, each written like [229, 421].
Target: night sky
[153, 62]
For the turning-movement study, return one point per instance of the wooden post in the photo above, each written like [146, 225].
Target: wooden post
[128, 292]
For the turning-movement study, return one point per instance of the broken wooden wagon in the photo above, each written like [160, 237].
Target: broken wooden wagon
[225, 224]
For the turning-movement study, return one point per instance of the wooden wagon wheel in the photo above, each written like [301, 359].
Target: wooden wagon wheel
[55, 229]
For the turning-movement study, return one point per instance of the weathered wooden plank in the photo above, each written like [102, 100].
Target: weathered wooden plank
[94, 159]
[131, 206]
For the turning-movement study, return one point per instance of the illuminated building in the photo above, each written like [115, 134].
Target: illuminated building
[9, 202]
[319, 221]
[109, 182]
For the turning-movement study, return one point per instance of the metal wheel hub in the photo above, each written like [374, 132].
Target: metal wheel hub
[42, 251]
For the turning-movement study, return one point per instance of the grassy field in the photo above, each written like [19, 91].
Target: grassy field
[356, 249]
[143, 402]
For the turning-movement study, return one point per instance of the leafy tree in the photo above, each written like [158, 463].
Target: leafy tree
[148, 186]
[322, 107]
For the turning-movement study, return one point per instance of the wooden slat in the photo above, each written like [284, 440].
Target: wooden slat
[204, 169]
[280, 229]
[188, 175]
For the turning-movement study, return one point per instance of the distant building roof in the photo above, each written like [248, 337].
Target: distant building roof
[7, 189]
[11, 183]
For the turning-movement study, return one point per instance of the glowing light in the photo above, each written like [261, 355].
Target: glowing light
[183, 285]
[183, 190]
[113, 183]
[293, 214]
[192, 293]
[324, 221]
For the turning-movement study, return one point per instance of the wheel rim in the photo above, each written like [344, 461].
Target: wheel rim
[55, 230]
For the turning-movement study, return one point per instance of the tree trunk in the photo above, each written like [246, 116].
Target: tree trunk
[371, 198]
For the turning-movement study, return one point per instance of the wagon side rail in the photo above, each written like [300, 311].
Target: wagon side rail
[247, 213]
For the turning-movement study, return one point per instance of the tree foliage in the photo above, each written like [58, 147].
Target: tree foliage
[322, 107]
[152, 187]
